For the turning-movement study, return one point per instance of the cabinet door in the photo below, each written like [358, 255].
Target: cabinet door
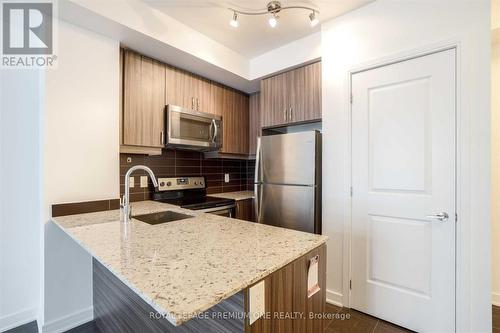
[274, 100]
[143, 101]
[228, 121]
[217, 92]
[234, 122]
[254, 122]
[245, 210]
[242, 123]
[178, 88]
[305, 98]
[206, 97]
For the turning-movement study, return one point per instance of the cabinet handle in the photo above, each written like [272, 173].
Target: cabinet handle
[284, 115]
[192, 103]
[162, 138]
[290, 115]
[197, 104]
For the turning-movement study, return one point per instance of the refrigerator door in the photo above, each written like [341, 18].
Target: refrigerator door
[289, 158]
[288, 206]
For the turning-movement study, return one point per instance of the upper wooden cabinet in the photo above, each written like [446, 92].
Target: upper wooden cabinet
[189, 91]
[148, 85]
[293, 96]
[143, 101]
[254, 122]
[235, 122]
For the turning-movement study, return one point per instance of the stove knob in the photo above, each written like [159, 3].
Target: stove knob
[196, 183]
[169, 183]
[162, 184]
[201, 183]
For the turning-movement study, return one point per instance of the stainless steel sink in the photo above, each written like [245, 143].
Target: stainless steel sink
[162, 217]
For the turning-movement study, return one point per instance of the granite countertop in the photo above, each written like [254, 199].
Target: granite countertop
[185, 267]
[238, 195]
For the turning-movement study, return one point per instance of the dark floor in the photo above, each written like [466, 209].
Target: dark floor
[361, 323]
[343, 321]
[352, 321]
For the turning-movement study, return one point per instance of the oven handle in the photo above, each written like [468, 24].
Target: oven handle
[215, 209]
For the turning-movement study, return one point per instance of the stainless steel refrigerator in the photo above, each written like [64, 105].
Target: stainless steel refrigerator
[288, 181]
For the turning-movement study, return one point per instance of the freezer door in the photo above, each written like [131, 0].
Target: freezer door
[289, 158]
[287, 206]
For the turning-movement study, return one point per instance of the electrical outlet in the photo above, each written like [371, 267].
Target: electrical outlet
[144, 181]
[226, 177]
[131, 182]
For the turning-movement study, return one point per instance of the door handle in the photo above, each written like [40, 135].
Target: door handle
[440, 217]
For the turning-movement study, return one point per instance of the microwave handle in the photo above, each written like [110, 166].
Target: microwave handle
[214, 124]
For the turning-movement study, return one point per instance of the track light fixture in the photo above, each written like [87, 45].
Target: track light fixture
[234, 20]
[273, 8]
[314, 20]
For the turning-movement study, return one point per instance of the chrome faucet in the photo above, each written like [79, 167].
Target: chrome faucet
[125, 204]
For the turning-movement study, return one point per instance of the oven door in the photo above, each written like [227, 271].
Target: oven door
[227, 211]
[193, 130]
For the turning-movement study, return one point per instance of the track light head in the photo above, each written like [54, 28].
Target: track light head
[234, 20]
[273, 21]
[314, 19]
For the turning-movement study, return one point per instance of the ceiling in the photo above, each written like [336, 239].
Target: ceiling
[254, 36]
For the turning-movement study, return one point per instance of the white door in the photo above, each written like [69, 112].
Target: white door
[403, 172]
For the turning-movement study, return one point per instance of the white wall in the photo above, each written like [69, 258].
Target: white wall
[287, 56]
[387, 28]
[495, 170]
[20, 196]
[81, 161]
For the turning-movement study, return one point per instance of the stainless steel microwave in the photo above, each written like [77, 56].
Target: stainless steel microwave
[193, 130]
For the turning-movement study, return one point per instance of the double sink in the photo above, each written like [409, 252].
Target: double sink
[162, 217]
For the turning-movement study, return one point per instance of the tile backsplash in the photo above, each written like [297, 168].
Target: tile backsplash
[180, 163]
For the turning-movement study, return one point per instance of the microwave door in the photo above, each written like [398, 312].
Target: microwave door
[191, 129]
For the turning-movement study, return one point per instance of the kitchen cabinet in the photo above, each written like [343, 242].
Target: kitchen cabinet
[293, 96]
[189, 91]
[143, 101]
[148, 85]
[245, 210]
[234, 122]
[254, 129]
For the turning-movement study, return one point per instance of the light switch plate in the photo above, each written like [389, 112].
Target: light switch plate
[144, 181]
[226, 177]
[131, 182]
[257, 302]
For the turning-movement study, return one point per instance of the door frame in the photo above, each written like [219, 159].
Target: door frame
[462, 183]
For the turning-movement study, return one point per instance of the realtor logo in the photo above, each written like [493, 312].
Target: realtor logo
[27, 29]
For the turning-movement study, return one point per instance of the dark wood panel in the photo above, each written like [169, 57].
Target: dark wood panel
[117, 308]
[286, 292]
[84, 207]
[245, 210]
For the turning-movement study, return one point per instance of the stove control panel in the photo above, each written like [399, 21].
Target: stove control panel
[180, 183]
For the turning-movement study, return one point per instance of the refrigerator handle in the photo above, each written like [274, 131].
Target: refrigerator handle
[257, 182]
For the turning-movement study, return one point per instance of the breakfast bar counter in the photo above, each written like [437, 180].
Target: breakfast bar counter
[182, 269]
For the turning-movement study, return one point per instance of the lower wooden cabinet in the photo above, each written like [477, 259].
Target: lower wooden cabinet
[245, 210]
